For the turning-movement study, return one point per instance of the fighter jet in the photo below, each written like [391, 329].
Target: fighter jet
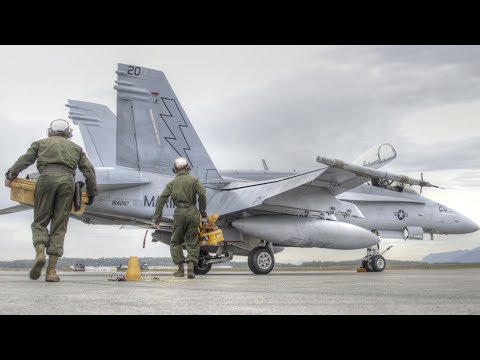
[336, 205]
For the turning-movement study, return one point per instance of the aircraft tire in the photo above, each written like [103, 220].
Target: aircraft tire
[369, 265]
[201, 268]
[364, 265]
[261, 261]
[378, 263]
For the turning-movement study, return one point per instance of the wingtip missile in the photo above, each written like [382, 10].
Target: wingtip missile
[326, 161]
[373, 173]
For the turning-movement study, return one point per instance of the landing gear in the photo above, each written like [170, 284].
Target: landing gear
[378, 263]
[367, 264]
[202, 267]
[261, 260]
[205, 260]
[374, 261]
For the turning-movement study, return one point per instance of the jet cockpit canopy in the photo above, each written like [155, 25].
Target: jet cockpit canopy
[377, 156]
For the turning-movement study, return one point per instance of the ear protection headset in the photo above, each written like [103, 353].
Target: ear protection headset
[68, 131]
[188, 168]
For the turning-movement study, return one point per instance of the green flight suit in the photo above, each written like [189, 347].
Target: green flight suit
[183, 190]
[57, 159]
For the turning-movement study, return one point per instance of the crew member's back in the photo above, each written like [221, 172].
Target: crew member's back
[57, 160]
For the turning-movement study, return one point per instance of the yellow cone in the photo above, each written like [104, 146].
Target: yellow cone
[133, 271]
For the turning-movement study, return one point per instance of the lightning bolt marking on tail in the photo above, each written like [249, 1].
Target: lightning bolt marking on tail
[178, 141]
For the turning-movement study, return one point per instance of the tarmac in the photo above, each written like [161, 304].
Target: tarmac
[450, 291]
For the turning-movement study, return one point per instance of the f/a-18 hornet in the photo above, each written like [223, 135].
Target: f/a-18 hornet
[337, 205]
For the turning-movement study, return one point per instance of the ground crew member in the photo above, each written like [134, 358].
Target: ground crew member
[183, 190]
[57, 159]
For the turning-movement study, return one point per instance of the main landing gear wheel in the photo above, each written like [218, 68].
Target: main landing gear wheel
[202, 267]
[261, 260]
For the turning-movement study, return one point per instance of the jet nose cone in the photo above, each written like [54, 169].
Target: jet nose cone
[475, 227]
[471, 226]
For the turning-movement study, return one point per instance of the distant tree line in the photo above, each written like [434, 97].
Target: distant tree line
[166, 261]
[66, 262]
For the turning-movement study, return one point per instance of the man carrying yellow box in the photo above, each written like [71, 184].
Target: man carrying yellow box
[57, 160]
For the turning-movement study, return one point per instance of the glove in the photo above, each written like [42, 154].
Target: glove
[156, 221]
[10, 175]
[204, 218]
[90, 199]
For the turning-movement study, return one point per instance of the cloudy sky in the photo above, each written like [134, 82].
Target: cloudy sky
[286, 104]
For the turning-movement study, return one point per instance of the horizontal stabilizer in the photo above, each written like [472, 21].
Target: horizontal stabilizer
[118, 186]
[14, 209]
[123, 222]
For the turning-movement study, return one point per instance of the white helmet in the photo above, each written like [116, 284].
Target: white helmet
[60, 127]
[180, 164]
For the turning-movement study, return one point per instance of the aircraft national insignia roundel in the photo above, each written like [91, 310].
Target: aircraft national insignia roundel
[400, 214]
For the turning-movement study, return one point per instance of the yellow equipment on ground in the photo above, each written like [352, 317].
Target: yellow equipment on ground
[133, 270]
[23, 191]
[209, 233]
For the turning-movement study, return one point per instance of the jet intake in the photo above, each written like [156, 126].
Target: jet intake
[298, 231]
[413, 233]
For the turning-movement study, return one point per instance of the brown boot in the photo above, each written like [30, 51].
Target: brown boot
[39, 263]
[51, 272]
[190, 271]
[180, 272]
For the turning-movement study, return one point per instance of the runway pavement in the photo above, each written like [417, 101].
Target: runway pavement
[452, 291]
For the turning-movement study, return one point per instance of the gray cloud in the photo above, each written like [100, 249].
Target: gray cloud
[469, 179]
[440, 156]
[355, 98]
[431, 55]
[415, 75]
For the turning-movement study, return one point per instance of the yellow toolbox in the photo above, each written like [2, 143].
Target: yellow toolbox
[210, 234]
[23, 190]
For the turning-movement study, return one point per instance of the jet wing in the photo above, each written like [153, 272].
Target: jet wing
[337, 181]
[14, 209]
[238, 195]
[342, 176]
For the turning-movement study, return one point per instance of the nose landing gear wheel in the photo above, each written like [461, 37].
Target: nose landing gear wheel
[367, 264]
[374, 261]
[378, 263]
[261, 260]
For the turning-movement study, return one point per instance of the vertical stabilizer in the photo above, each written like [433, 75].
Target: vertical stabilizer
[152, 127]
[97, 126]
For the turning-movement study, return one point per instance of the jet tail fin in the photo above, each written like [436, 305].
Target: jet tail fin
[97, 126]
[152, 127]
